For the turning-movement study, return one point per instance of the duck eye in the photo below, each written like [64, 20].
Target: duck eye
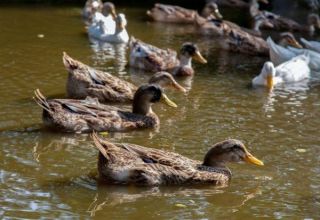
[236, 147]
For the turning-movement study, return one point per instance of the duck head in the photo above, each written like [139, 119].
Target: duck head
[190, 50]
[258, 21]
[314, 22]
[229, 151]
[148, 94]
[165, 79]
[211, 8]
[109, 9]
[288, 39]
[268, 73]
[121, 22]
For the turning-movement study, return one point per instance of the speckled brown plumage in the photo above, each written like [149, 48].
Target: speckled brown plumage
[85, 81]
[68, 115]
[122, 163]
[148, 57]
[234, 39]
[133, 164]
[171, 14]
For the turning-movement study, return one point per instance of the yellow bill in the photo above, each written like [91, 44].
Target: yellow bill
[295, 43]
[198, 57]
[167, 101]
[251, 159]
[178, 87]
[270, 81]
[217, 14]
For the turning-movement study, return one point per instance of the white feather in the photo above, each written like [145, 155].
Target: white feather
[294, 70]
[312, 45]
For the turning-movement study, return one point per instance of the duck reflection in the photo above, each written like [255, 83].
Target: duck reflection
[192, 197]
[48, 143]
[285, 95]
[104, 51]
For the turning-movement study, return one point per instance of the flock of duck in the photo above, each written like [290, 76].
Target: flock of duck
[88, 88]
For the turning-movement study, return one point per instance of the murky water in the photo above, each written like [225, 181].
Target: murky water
[52, 175]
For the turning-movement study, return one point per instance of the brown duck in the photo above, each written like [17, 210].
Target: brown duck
[80, 116]
[136, 165]
[177, 14]
[151, 58]
[84, 81]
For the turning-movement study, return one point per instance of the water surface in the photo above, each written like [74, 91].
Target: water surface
[52, 175]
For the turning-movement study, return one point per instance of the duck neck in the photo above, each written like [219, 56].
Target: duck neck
[218, 168]
[118, 29]
[311, 29]
[185, 60]
[257, 25]
[141, 106]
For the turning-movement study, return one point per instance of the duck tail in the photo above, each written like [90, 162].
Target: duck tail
[41, 100]
[102, 145]
[69, 63]
[305, 42]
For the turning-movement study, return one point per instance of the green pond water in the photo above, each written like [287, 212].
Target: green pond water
[53, 175]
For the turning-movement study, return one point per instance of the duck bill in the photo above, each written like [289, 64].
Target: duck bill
[270, 82]
[167, 101]
[268, 24]
[217, 14]
[251, 159]
[198, 57]
[295, 43]
[178, 87]
[113, 13]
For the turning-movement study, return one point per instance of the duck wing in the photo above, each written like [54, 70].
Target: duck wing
[146, 56]
[314, 57]
[312, 45]
[134, 164]
[143, 166]
[85, 81]
[294, 70]
[278, 54]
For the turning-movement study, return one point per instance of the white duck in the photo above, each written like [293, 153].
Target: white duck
[279, 54]
[294, 70]
[90, 8]
[107, 16]
[312, 45]
[120, 35]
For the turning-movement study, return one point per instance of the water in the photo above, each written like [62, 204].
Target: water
[52, 175]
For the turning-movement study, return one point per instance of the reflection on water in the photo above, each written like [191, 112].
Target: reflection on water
[104, 51]
[52, 175]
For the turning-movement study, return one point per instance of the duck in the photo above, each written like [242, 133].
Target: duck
[282, 23]
[84, 81]
[82, 116]
[177, 14]
[106, 17]
[90, 8]
[120, 35]
[130, 164]
[293, 70]
[311, 45]
[233, 38]
[256, 24]
[151, 58]
[280, 54]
